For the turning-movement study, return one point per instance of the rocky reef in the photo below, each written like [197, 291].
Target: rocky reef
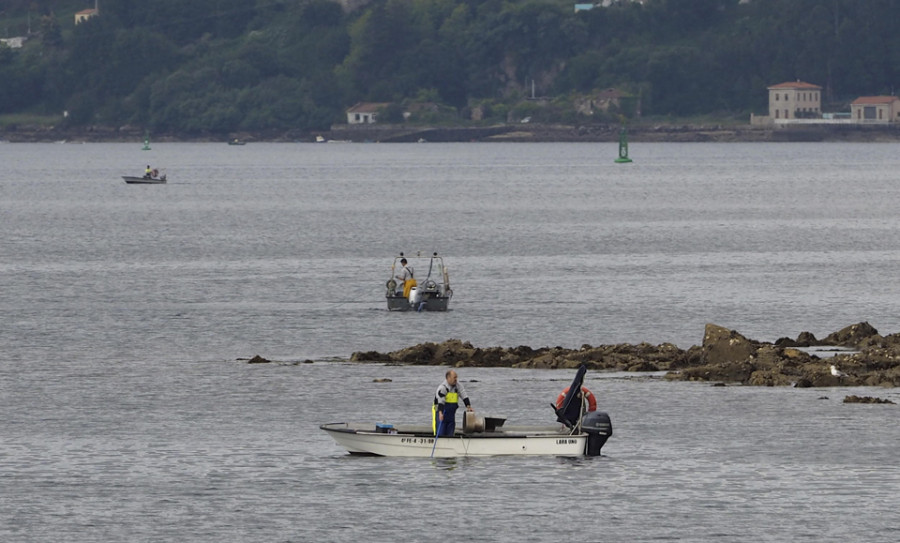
[861, 357]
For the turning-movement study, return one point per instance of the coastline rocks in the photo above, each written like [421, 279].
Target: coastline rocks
[866, 399]
[851, 336]
[723, 356]
[721, 345]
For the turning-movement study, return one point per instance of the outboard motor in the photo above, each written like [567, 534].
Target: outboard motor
[598, 427]
[415, 296]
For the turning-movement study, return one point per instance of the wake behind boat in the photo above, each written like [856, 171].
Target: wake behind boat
[418, 283]
[579, 432]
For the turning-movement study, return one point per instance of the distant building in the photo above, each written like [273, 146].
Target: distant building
[14, 43]
[609, 97]
[875, 109]
[602, 4]
[795, 100]
[600, 101]
[86, 14]
[364, 112]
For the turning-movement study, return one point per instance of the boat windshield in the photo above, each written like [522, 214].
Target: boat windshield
[435, 269]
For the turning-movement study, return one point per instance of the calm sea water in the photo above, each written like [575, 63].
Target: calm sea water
[126, 416]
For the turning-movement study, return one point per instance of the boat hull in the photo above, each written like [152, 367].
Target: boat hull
[131, 180]
[427, 303]
[412, 441]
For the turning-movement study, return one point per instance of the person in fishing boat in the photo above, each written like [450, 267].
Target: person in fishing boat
[446, 402]
[148, 173]
[405, 278]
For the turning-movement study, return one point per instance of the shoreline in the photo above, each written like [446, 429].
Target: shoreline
[518, 133]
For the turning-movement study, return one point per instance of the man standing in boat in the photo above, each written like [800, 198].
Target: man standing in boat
[446, 401]
[405, 277]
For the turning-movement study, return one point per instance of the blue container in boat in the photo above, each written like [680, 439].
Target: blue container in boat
[383, 428]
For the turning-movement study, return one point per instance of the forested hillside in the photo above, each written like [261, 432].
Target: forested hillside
[227, 65]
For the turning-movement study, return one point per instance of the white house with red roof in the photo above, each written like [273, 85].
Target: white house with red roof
[364, 112]
[799, 102]
[795, 100]
[875, 109]
[86, 14]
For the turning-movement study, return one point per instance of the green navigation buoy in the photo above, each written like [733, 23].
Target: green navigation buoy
[623, 146]
[146, 141]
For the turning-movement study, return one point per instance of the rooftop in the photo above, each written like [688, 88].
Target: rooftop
[872, 100]
[796, 85]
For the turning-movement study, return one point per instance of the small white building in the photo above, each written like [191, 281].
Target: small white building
[364, 112]
[86, 14]
[875, 109]
[14, 43]
[795, 100]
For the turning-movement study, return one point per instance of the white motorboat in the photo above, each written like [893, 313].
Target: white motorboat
[387, 440]
[579, 432]
[429, 291]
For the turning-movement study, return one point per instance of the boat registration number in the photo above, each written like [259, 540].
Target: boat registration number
[566, 441]
[417, 440]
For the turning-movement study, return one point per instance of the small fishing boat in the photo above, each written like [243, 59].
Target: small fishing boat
[236, 141]
[155, 177]
[578, 432]
[427, 290]
[132, 180]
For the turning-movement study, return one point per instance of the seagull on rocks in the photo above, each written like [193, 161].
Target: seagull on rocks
[836, 372]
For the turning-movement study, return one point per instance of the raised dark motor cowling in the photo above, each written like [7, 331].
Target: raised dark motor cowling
[598, 427]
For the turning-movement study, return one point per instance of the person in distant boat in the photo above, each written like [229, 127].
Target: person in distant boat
[405, 278]
[446, 401]
[148, 173]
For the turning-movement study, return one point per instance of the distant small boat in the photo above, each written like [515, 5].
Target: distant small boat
[321, 139]
[434, 292]
[236, 141]
[154, 177]
[133, 180]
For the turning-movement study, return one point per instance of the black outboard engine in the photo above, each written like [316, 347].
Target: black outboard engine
[570, 411]
[598, 427]
[595, 424]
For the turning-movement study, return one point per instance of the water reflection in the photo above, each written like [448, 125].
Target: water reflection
[447, 464]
